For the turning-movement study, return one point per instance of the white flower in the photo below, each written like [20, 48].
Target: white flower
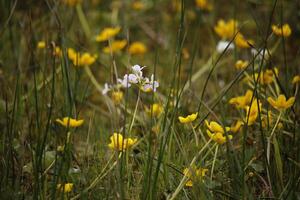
[125, 81]
[221, 46]
[106, 89]
[138, 70]
[150, 85]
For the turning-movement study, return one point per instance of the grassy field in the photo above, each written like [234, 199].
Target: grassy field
[149, 99]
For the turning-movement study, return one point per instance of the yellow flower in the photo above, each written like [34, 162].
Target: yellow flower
[66, 188]
[41, 44]
[87, 59]
[193, 173]
[226, 30]
[188, 119]
[107, 33]
[69, 122]
[237, 126]
[267, 76]
[218, 137]
[156, 109]
[281, 103]
[215, 127]
[119, 143]
[115, 46]
[204, 5]
[242, 101]
[296, 79]
[284, 31]
[57, 51]
[241, 64]
[252, 112]
[137, 48]
[241, 42]
[138, 5]
[117, 96]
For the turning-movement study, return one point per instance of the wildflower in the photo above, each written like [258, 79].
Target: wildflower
[281, 103]
[57, 52]
[242, 101]
[138, 5]
[106, 89]
[252, 112]
[284, 30]
[241, 64]
[117, 96]
[150, 85]
[226, 30]
[192, 173]
[237, 126]
[119, 143]
[115, 46]
[66, 188]
[107, 33]
[266, 77]
[41, 44]
[218, 137]
[296, 79]
[137, 48]
[221, 46]
[156, 109]
[204, 5]
[215, 127]
[188, 119]
[70, 122]
[241, 42]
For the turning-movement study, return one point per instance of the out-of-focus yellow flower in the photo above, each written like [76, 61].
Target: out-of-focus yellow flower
[218, 137]
[137, 48]
[241, 42]
[66, 188]
[241, 64]
[284, 31]
[117, 96]
[237, 126]
[57, 52]
[117, 142]
[266, 77]
[156, 109]
[115, 46]
[70, 122]
[185, 53]
[252, 112]
[188, 119]
[226, 30]
[85, 59]
[193, 173]
[41, 44]
[296, 79]
[138, 5]
[204, 5]
[281, 103]
[107, 33]
[215, 127]
[242, 101]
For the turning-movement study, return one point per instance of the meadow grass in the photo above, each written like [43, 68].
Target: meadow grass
[151, 99]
